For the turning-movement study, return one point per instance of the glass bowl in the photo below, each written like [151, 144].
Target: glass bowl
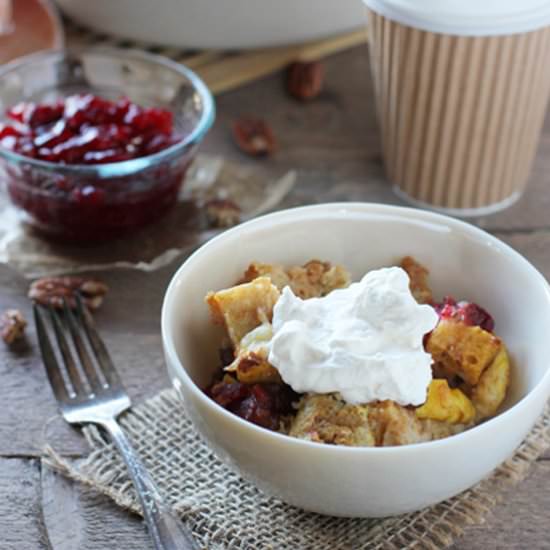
[92, 203]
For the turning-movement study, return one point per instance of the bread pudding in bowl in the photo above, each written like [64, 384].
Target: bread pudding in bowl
[355, 396]
[359, 449]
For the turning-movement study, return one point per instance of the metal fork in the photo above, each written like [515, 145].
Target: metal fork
[96, 395]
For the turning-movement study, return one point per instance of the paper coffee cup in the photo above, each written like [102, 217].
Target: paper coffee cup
[461, 88]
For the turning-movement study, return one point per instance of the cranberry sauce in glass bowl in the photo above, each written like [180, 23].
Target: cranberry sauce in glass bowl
[95, 144]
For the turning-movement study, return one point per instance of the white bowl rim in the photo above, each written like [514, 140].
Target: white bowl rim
[365, 208]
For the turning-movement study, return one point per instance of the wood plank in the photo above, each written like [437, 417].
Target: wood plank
[30, 418]
[59, 501]
[535, 246]
[20, 516]
[521, 521]
[96, 522]
[326, 134]
[135, 347]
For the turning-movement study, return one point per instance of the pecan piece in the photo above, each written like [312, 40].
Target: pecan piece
[254, 136]
[222, 213]
[305, 80]
[12, 325]
[50, 291]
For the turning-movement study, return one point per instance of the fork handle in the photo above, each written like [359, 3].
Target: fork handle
[167, 531]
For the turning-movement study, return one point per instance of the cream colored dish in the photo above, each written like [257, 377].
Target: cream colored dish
[355, 481]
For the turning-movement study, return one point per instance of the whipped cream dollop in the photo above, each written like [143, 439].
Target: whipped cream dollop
[364, 341]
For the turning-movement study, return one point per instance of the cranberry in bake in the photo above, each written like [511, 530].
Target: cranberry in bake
[469, 313]
[261, 404]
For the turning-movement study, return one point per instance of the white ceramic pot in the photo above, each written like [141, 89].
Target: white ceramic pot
[217, 24]
[464, 262]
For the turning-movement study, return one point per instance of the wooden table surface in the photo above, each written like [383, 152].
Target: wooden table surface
[333, 142]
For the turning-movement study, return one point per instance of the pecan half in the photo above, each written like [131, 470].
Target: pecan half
[222, 213]
[52, 291]
[12, 325]
[305, 80]
[254, 136]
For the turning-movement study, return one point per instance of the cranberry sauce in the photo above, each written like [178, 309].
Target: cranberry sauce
[467, 312]
[262, 404]
[86, 129]
[84, 205]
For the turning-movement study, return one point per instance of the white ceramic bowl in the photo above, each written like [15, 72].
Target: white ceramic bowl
[464, 261]
[218, 24]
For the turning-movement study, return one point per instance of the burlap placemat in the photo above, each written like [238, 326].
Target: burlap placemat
[228, 513]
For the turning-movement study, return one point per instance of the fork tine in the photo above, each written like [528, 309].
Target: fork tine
[102, 355]
[50, 362]
[85, 359]
[70, 365]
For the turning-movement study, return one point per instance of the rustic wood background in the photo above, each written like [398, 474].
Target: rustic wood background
[333, 143]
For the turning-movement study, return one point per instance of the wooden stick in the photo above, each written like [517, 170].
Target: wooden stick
[321, 48]
[200, 59]
[233, 71]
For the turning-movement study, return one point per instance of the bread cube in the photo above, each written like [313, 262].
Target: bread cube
[275, 272]
[489, 393]
[328, 419]
[313, 279]
[243, 307]
[418, 276]
[252, 367]
[446, 404]
[463, 350]
[393, 424]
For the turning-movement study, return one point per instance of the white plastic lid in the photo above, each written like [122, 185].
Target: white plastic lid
[466, 17]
